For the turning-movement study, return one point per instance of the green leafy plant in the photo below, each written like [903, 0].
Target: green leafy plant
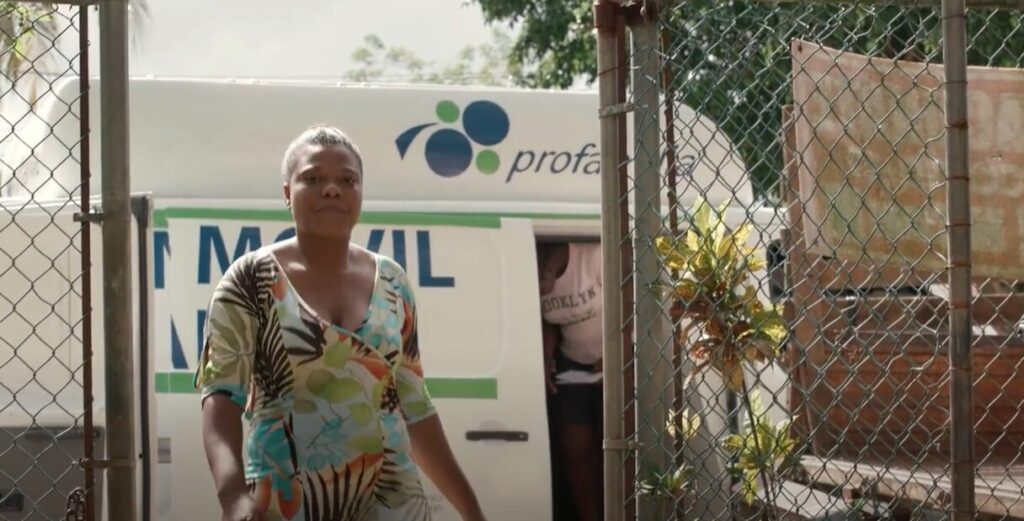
[713, 266]
[760, 448]
[674, 482]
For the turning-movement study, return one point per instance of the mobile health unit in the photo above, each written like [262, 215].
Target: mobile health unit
[460, 185]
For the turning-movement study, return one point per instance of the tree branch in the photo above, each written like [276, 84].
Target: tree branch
[978, 4]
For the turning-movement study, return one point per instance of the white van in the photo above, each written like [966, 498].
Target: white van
[460, 184]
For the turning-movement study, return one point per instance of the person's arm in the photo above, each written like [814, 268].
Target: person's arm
[222, 439]
[430, 448]
[223, 379]
[433, 454]
[551, 335]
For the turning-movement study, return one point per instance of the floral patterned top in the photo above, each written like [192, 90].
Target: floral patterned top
[327, 408]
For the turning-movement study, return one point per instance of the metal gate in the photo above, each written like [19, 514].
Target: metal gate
[52, 461]
[47, 433]
[814, 316]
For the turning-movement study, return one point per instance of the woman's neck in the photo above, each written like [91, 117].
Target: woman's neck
[324, 254]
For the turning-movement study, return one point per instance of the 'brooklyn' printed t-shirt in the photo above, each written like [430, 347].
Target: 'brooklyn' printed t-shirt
[575, 303]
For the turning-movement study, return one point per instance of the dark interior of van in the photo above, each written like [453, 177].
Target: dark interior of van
[563, 506]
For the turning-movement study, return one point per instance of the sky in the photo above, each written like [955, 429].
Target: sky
[310, 39]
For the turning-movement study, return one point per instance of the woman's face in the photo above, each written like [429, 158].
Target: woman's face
[325, 191]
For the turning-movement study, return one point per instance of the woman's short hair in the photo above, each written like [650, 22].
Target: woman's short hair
[317, 135]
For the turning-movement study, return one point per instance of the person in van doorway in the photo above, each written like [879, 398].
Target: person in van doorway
[315, 340]
[571, 308]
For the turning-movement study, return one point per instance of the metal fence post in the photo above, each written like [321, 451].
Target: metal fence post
[954, 51]
[605, 14]
[117, 280]
[654, 336]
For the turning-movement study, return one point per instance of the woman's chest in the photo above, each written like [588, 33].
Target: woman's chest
[571, 298]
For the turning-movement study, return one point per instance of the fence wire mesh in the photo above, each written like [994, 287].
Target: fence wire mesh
[787, 212]
[44, 258]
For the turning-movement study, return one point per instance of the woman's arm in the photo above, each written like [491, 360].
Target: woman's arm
[430, 449]
[222, 439]
[223, 378]
[434, 455]
[551, 336]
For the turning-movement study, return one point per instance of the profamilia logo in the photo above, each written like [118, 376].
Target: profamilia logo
[449, 151]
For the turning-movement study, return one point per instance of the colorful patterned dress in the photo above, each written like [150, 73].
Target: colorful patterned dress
[327, 408]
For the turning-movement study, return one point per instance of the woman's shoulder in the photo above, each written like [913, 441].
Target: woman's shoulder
[394, 276]
[390, 269]
[256, 260]
[252, 267]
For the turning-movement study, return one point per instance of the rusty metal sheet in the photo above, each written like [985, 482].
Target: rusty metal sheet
[871, 151]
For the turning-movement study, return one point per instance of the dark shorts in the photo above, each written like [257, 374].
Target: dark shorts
[579, 404]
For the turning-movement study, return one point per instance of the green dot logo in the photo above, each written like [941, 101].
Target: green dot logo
[447, 112]
[449, 150]
[487, 161]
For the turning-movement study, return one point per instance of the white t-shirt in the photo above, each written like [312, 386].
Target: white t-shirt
[575, 303]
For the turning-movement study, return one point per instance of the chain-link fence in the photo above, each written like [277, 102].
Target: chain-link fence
[46, 430]
[805, 330]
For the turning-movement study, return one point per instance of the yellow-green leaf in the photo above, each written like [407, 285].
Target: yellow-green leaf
[684, 424]
[692, 241]
[741, 234]
[755, 264]
[702, 216]
[724, 250]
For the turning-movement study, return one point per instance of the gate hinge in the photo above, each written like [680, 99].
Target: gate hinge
[94, 215]
[615, 110]
[76, 505]
[620, 445]
[106, 463]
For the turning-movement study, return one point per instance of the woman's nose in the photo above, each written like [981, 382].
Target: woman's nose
[332, 190]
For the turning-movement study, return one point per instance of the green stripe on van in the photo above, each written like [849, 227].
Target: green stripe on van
[465, 388]
[469, 220]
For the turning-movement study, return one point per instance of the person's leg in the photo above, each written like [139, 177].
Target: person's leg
[576, 435]
[596, 401]
[562, 506]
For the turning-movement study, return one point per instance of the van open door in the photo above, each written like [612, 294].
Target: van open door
[475, 281]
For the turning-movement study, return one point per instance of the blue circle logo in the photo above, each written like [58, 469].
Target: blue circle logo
[449, 151]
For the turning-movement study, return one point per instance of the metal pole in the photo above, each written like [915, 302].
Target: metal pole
[958, 211]
[86, 261]
[654, 344]
[117, 281]
[626, 266]
[605, 14]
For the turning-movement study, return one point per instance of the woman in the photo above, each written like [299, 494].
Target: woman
[571, 307]
[315, 339]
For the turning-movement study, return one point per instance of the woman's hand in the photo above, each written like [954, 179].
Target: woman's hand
[549, 374]
[241, 508]
[433, 454]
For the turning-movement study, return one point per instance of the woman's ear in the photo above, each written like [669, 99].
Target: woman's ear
[287, 195]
